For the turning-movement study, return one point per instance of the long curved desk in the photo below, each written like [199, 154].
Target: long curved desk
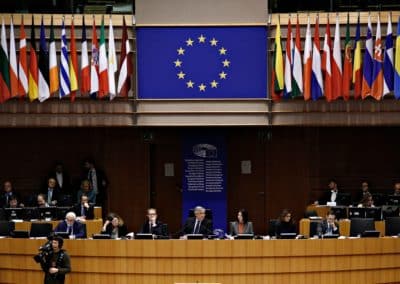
[216, 261]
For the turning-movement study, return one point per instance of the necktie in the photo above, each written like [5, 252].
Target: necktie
[69, 230]
[82, 211]
[329, 229]
[196, 227]
[49, 196]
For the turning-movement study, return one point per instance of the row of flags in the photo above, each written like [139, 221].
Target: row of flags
[42, 77]
[317, 75]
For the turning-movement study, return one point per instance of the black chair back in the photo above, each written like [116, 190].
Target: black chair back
[40, 230]
[392, 226]
[6, 228]
[360, 225]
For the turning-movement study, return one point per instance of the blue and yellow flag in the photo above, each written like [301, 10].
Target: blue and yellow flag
[202, 62]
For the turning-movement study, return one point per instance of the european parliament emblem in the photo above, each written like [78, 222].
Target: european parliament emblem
[198, 63]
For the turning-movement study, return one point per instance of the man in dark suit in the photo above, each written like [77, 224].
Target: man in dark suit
[98, 181]
[52, 192]
[329, 225]
[330, 195]
[62, 177]
[84, 210]
[71, 226]
[364, 191]
[198, 224]
[8, 194]
[153, 225]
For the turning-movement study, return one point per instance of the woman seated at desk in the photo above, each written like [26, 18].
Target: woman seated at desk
[367, 201]
[285, 224]
[242, 225]
[114, 226]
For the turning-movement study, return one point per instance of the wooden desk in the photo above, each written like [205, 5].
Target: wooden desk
[320, 209]
[92, 226]
[375, 260]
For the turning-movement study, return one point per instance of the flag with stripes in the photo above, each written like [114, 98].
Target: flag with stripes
[85, 70]
[377, 69]
[307, 61]
[125, 64]
[13, 64]
[327, 62]
[317, 84]
[288, 61]
[367, 63]
[53, 72]
[33, 67]
[4, 66]
[65, 84]
[397, 63]
[388, 68]
[277, 72]
[357, 73]
[22, 62]
[73, 63]
[94, 64]
[43, 84]
[112, 61]
[347, 65]
[103, 68]
[297, 82]
[337, 64]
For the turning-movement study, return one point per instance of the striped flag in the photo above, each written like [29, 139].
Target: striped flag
[288, 61]
[388, 68]
[327, 61]
[22, 62]
[377, 73]
[85, 71]
[317, 84]
[13, 64]
[357, 74]
[347, 65]
[65, 84]
[103, 68]
[277, 73]
[53, 69]
[297, 83]
[43, 84]
[73, 64]
[33, 67]
[337, 64]
[307, 61]
[94, 66]
[112, 61]
[367, 63]
[4, 66]
[125, 64]
[397, 63]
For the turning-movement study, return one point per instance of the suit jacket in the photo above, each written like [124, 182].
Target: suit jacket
[122, 230]
[206, 226]
[160, 229]
[324, 228]
[4, 201]
[285, 227]
[78, 229]
[234, 228]
[66, 181]
[89, 212]
[54, 196]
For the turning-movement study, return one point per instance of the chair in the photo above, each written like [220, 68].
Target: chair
[6, 228]
[272, 227]
[360, 225]
[315, 228]
[40, 230]
[392, 226]
[84, 230]
[310, 213]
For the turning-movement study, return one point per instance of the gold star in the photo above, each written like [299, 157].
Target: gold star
[178, 63]
[181, 75]
[202, 87]
[222, 51]
[226, 63]
[214, 84]
[213, 42]
[202, 39]
[190, 84]
[181, 51]
[189, 42]
[222, 75]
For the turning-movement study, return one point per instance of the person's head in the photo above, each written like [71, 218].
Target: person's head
[286, 216]
[152, 214]
[199, 213]
[367, 200]
[41, 200]
[7, 186]
[57, 243]
[332, 185]
[243, 216]
[59, 167]
[397, 187]
[88, 163]
[51, 183]
[330, 217]
[13, 202]
[70, 218]
[84, 199]
[115, 219]
[85, 185]
[364, 186]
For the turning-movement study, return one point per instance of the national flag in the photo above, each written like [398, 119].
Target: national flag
[388, 68]
[112, 61]
[288, 61]
[327, 62]
[377, 73]
[43, 84]
[73, 63]
[307, 61]
[103, 68]
[337, 64]
[22, 62]
[357, 73]
[13, 63]
[94, 66]
[278, 77]
[33, 67]
[397, 63]
[85, 71]
[4, 66]
[65, 84]
[347, 65]
[297, 82]
[317, 84]
[367, 63]
[125, 64]
[53, 72]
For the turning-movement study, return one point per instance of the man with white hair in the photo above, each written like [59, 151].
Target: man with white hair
[198, 224]
[71, 226]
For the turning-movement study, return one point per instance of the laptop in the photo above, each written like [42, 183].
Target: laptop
[370, 234]
[194, 236]
[287, 235]
[20, 234]
[140, 236]
[101, 236]
[244, 237]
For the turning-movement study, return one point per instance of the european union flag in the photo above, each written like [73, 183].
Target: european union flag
[202, 62]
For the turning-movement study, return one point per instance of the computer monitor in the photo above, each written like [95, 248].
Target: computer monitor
[393, 200]
[244, 237]
[340, 212]
[140, 236]
[392, 226]
[63, 235]
[47, 213]
[370, 234]
[343, 199]
[209, 215]
[360, 225]
[62, 211]
[14, 213]
[356, 212]
[31, 213]
[390, 211]
[374, 212]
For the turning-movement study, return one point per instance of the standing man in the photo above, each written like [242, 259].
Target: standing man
[98, 181]
[198, 224]
[56, 264]
[52, 192]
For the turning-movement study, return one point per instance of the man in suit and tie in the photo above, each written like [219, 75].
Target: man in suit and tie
[198, 224]
[153, 225]
[84, 210]
[52, 192]
[71, 226]
[329, 225]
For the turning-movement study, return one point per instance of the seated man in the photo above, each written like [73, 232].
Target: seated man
[71, 226]
[7, 194]
[198, 224]
[153, 225]
[86, 189]
[52, 192]
[396, 188]
[41, 201]
[329, 226]
[84, 210]
[364, 191]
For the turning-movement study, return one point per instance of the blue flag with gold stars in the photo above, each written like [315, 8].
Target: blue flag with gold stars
[201, 62]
